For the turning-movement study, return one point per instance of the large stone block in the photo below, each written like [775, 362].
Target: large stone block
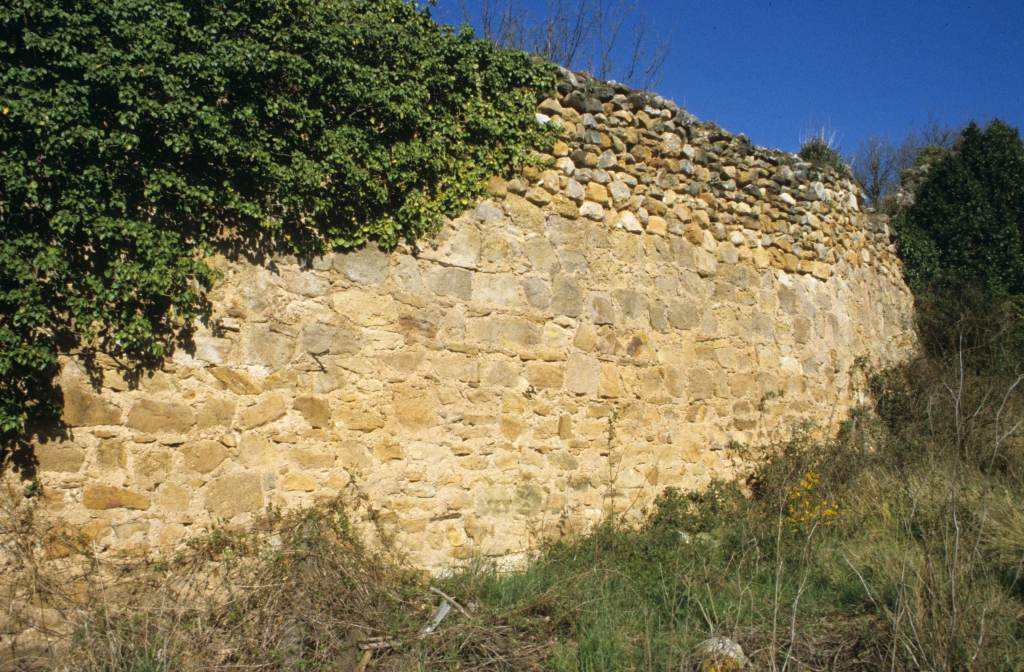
[236, 380]
[457, 245]
[582, 374]
[365, 266]
[566, 297]
[204, 456]
[265, 410]
[234, 494]
[315, 410]
[102, 497]
[152, 416]
[268, 347]
[59, 456]
[84, 407]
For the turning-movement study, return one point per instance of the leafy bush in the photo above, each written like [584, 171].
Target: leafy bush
[139, 136]
[966, 226]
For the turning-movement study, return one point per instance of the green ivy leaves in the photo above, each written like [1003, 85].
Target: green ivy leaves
[138, 136]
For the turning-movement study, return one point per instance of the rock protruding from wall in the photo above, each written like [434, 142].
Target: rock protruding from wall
[643, 311]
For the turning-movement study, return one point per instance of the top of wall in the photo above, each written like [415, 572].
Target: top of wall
[638, 161]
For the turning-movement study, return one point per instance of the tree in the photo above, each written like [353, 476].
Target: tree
[610, 38]
[881, 166]
[966, 225]
[875, 166]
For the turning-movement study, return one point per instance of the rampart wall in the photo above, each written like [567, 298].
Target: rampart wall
[648, 310]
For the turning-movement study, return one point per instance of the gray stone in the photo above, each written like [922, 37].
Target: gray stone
[566, 298]
[784, 175]
[573, 261]
[629, 222]
[574, 190]
[620, 192]
[659, 319]
[451, 281]
[458, 245]
[538, 292]
[541, 255]
[602, 311]
[720, 653]
[607, 159]
[366, 266]
[632, 304]
[580, 102]
[684, 315]
[269, 347]
[592, 210]
[319, 338]
[488, 212]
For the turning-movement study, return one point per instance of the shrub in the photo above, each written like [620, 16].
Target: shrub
[966, 226]
[137, 137]
[818, 150]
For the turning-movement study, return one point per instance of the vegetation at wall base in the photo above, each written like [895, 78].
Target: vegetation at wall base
[138, 137]
[899, 545]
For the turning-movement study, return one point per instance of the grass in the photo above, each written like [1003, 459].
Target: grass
[899, 545]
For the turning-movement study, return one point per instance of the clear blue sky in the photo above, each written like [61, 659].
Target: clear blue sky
[775, 69]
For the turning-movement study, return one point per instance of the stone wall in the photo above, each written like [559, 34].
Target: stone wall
[647, 310]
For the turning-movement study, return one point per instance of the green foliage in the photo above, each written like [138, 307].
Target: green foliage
[966, 226]
[139, 136]
[819, 152]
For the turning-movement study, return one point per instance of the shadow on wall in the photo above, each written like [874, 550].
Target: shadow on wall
[80, 404]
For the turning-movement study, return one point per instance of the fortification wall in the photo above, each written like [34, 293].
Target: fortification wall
[645, 312]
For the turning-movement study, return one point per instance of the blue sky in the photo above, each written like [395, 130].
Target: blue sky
[777, 69]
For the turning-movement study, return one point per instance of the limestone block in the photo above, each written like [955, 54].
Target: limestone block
[363, 308]
[234, 494]
[537, 292]
[236, 380]
[457, 245]
[315, 410]
[152, 416]
[295, 481]
[415, 409]
[150, 467]
[59, 456]
[450, 281]
[83, 407]
[267, 409]
[102, 497]
[358, 418]
[268, 347]
[215, 412]
[566, 297]
[544, 376]
[203, 456]
[582, 374]
[496, 288]
[365, 266]
[110, 455]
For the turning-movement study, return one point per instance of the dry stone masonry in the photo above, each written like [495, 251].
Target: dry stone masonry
[645, 309]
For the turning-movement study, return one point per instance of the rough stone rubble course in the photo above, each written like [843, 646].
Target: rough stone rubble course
[660, 275]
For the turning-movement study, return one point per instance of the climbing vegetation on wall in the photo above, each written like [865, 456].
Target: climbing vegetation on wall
[139, 136]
